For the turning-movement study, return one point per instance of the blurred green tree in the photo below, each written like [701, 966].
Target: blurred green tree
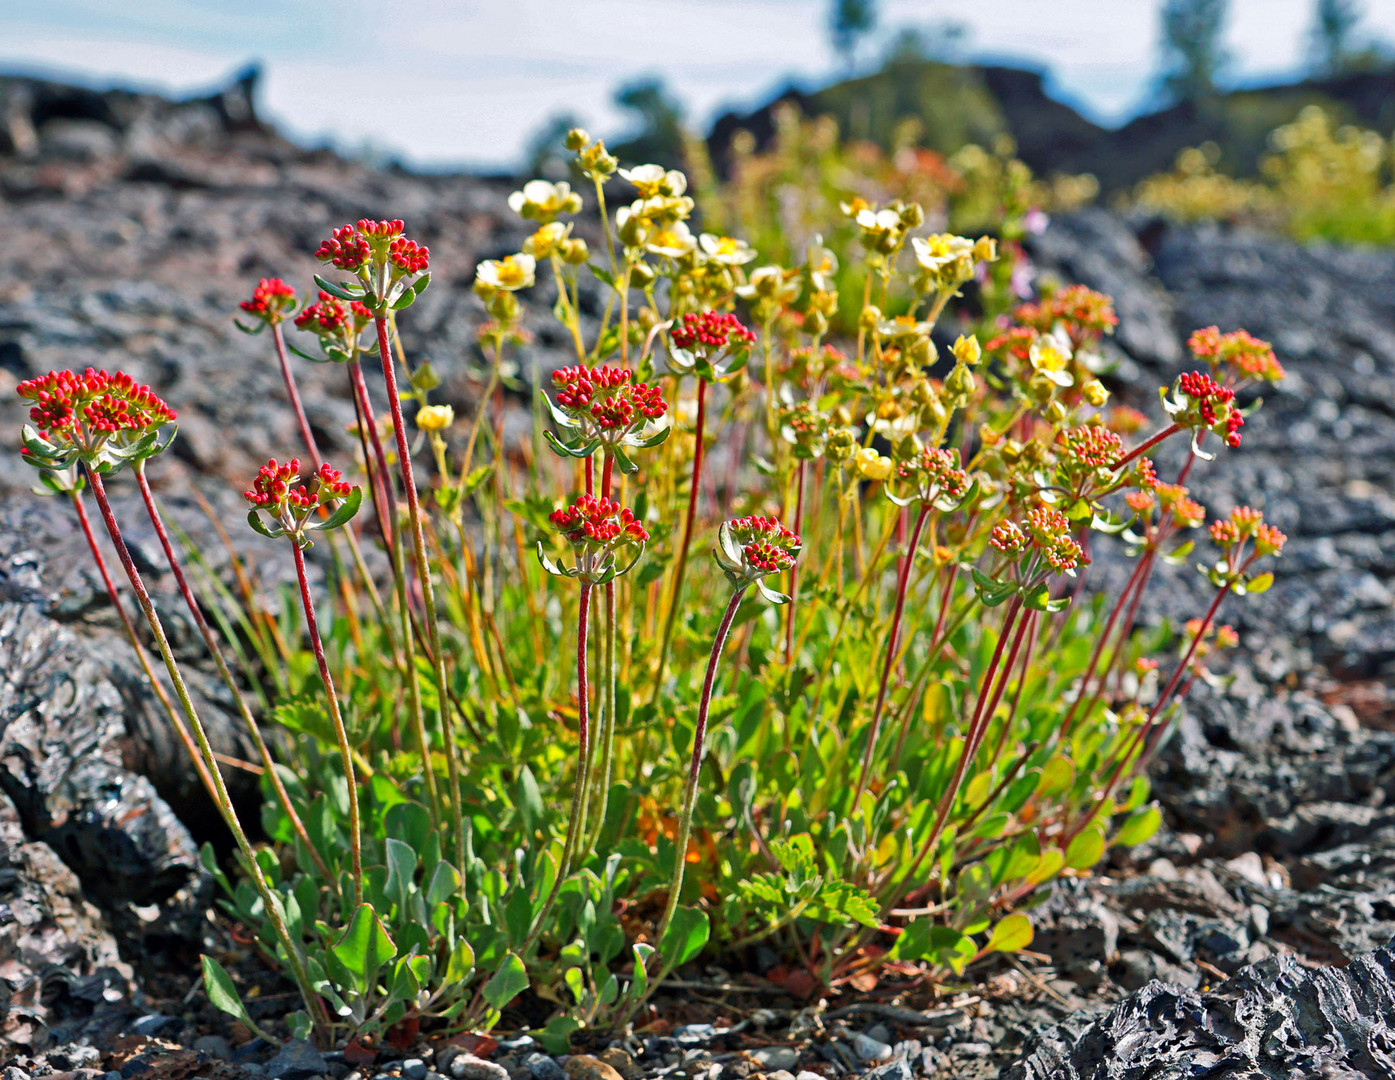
[658, 116]
[1192, 53]
[849, 21]
[1334, 23]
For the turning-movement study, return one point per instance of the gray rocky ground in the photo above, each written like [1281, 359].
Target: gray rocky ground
[1245, 941]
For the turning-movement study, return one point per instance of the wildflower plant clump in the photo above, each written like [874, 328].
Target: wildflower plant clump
[901, 532]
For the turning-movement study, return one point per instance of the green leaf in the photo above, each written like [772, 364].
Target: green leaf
[1012, 934]
[406, 300]
[507, 983]
[365, 946]
[1139, 827]
[338, 290]
[1260, 584]
[343, 512]
[686, 936]
[402, 868]
[218, 984]
[1085, 850]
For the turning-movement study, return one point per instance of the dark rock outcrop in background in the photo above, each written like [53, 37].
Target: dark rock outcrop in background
[138, 228]
[956, 104]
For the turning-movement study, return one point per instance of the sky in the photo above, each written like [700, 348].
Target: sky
[469, 82]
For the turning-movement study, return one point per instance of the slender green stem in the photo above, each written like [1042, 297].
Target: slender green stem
[270, 900]
[428, 592]
[336, 715]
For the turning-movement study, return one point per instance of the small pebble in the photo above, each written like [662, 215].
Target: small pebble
[154, 1024]
[585, 1067]
[296, 1060]
[215, 1046]
[973, 1049]
[805, 1074]
[466, 1066]
[543, 1067]
[879, 1032]
[779, 1074]
[894, 1070]
[776, 1057]
[621, 1061]
[414, 1069]
[689, 1034]
[870, 1049]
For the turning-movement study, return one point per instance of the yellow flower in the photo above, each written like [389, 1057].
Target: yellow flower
[940, 252]
[873, 465]
[435, 417]
[510, 274]
[543, 201]
[967, 350]
[547, 240]
[675, 241]
[1050, 356]
[726, 250]
[652, 180]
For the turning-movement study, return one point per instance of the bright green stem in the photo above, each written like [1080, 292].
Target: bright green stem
[890, 661]
[676, 598]
[336, 715]
[210, 641]
[428, 591]
[685, 821]
[270, 901]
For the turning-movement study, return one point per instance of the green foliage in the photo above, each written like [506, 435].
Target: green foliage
[1320, 181]
[1193, 56]
[918, 722]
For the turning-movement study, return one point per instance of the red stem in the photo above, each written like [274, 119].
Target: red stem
[293, 392]
[794, 570]
[1119, 604]
[317, 644]
[681, 566]
[1145, 447]
[907, 561]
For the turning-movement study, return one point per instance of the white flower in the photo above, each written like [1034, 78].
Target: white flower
[542, 200]
[510, 274]
[726, 250]
[652, 180]
[937, 253]
[675, 241]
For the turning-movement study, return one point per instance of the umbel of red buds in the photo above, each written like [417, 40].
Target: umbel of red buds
[337, 325]
[604, 406]
[932, 477]
[390, 271]
[290, 508]
[750, 549]
[272, 300]
[1200, 403]
[710, 344]
[103, 419]
[599, 531]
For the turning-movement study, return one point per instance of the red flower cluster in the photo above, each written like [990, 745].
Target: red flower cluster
[1090, 445]
[1085, 313]
[597, 521]
[1206, 394]
[766, 545]
[937, 472]
[346, 248]
[1245, 522]
[1251, 357]
[1016, 342]
[1046, 531]
[707, 332]
[328, 316]
[608, 397]
[72, 408]
[271, 300]
[353, 246]
[272, 487]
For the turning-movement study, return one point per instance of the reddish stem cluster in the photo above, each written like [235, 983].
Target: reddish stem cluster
[1249, 356]
[272, 487]
[1086, 314]
[351, 247]
[69, 407]
[1090, 445]
[1045, 531]
[608, 396]
[271, 301]
[597, 521]
[936, 471]
[329, 316]
[709, 332]
[1205, 394]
